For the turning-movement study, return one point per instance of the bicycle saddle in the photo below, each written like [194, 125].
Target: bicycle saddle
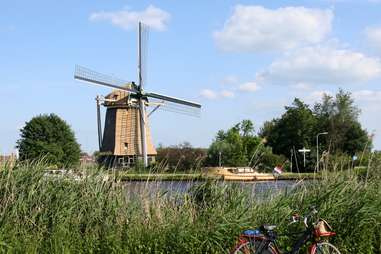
[269, 227]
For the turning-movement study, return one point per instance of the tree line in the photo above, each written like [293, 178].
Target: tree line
[279, 140]
[275, 143]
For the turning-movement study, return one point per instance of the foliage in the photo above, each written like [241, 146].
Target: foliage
[339, 116]
[294, 130]
[183, 177]
[50, 137]
[182, 157]
[239, 146]
[336, 162]
[48, 214]
[267, 160]
[299, 126]
[236, 146]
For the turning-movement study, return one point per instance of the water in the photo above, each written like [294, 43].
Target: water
[259, 190]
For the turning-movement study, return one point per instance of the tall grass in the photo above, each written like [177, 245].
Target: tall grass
[50, 214]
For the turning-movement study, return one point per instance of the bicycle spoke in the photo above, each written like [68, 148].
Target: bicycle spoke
[326, 248]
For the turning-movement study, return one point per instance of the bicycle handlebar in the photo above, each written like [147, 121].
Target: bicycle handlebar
[297, 218]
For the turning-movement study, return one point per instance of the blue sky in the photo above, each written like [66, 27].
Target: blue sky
[240, 59]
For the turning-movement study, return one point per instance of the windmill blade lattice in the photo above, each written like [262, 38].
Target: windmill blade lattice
[176, 108]
[144, 38]
[173, 100]
[88, 75]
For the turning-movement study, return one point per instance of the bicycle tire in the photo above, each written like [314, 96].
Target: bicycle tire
[325, 248]
[250, 247]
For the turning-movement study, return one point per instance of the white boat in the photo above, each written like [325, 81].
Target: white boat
[240, 174]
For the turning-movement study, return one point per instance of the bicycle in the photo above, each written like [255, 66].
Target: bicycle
[263, 240]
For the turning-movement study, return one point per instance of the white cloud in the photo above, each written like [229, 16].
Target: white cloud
[301, 86]
[249, 87]
[373, 35]
[229, 80]
[368, 96]
[321, 65]
[255, 28]
[152, 16]
[369, 101]
[212, 95]
[209, 94]
[227, 94]
[317, 95]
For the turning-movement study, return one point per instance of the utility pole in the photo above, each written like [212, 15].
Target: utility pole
[219, 158]
[99, 124]
[317, 149]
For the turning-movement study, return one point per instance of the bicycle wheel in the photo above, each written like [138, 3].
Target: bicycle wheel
[325, 248]
[252, 247]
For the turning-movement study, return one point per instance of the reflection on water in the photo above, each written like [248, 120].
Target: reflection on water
[258, 190]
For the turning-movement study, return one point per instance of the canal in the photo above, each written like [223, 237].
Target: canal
[258, 190]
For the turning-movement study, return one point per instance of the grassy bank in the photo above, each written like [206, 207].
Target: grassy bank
[127, 176]
[44, 214]
[165, 177]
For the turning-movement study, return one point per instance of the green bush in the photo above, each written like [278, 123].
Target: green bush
[50, 137]
[267, 160]
[182, 157]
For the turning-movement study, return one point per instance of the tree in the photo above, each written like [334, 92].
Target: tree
[237, 145]
[295, 128]
[299, 125]
[339, 116]
[182, 157]
[240, 146]
[50, 137]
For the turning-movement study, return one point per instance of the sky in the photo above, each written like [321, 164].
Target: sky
[239, 59]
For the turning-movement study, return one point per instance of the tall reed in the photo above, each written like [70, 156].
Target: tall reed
[42, 213]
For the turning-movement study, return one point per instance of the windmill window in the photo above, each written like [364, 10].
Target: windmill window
[125, 146]
[130, 160]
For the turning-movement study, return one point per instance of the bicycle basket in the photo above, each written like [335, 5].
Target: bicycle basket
[322, 228]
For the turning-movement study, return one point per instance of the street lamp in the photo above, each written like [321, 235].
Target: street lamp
[317, 149]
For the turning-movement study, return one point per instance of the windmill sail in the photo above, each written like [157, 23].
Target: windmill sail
[132, 139]
[143, 53]
[173, 100]
[168, 106]
[88, 75]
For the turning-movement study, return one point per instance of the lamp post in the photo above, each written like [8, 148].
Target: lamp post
[317, 149]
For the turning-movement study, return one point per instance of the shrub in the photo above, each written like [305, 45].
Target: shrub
[50, 137]
[182, 157]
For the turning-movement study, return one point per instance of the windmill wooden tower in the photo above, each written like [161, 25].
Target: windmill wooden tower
[126, 137]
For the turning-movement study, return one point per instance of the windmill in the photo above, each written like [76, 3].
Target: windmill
[126, 132]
